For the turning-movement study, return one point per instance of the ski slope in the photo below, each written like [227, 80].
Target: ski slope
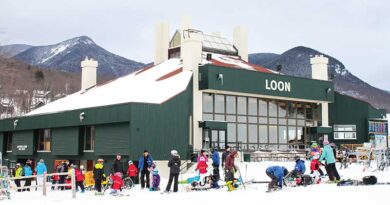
[254, 193]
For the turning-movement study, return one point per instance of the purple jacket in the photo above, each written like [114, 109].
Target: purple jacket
[156, 181]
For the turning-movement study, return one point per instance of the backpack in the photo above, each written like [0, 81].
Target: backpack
[307, 180]
[370, 180]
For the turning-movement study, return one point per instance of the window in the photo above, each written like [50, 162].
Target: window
[44, 140]
[219, 104]
[231, 104]
[344, 132]
[207, 102]
[8, 140]
[89, 138]
[241, 108]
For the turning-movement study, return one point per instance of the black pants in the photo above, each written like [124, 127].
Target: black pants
[216, 173]
[81, 185]
[332, 171]
[134, 179]
[145, 173]
[62, 181]
[274, 180]
[98, 185]
[171, 178]
[17, 182]
[229, 175]
[27, 183]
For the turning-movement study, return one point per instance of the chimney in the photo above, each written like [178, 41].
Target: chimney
[88, 73]
[162, 43]
[319, 67]
[240, 41]
[191, 49]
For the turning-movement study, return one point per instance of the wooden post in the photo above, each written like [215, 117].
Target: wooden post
[44, 184]
[73, 181]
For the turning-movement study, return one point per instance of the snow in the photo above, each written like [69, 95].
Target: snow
[137, 87]
[253, 194]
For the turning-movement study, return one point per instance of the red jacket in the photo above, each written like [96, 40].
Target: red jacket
[229, 164]
[132, 170]
[79, 175]
[117, 182]
[202, 164]
[315, 165]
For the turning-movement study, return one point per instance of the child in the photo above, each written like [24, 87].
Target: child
[132, 171]
[79, 179]
[299, 168]
[202, 164]
[117, 183]
[315, 170]
[155, 181]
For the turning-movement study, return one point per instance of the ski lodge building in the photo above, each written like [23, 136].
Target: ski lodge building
[201, 93]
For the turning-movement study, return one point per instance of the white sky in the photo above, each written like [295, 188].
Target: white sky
[357, 32]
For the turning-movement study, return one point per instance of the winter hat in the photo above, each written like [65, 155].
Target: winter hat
[297, 158]
[314, 145]
[174, 153]
[325, 142]
[41, 160]
[130, 162]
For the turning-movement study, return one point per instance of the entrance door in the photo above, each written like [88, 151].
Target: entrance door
[218, 139]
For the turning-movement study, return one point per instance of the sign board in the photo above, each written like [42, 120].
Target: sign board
[378, 130]
[21, 147]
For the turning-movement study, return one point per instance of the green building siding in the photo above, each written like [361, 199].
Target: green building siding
[23, 143]
[161, 128]
[65, 141]
[350, 111]
[111, 139]
[253, 82]
[2, 143]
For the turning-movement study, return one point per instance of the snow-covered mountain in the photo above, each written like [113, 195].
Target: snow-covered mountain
[67, 55]
[12, 50]
[296, 62]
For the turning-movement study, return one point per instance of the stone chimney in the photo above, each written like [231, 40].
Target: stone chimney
[88, 73]
[240, 41]
[161, 43]
[319, 67]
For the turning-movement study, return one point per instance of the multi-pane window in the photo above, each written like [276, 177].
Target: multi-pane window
[342, 132]
[44, 140]
[89, 138]
[256, 123]
[8, 140]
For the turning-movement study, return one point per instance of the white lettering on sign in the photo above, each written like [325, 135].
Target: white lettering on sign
[21, 147]
[278, 85]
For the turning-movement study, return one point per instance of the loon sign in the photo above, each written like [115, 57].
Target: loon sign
[281, 86]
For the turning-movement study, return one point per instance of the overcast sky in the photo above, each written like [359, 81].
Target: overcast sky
[357, 32]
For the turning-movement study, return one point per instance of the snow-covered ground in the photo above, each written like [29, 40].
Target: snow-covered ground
[253, 194]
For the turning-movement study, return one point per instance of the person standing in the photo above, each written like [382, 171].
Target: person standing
[18, 173]
[174, 171]
[40, 170]
[79, 179]
[132, 171]
[63, 169]
[330, 162]
[144, 163]
[98, 176]
[117, 166]
[230, 167]
[28, 172]
[216, 163]
[202, 164]
[225, 154]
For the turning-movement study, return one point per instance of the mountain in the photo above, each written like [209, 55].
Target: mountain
[296, 62]
[12, 50]
[67, 55]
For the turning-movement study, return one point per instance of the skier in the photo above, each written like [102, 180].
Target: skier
[315, 170]
[299, 168]
[225, 154]
[202, 164]
[277, 174]
[230, 169]
[79, 179]
[215, 176]
[330, 162]
[18, 173]
[155, 186]
[132, 171]
[144, 164]
[174, 171]
[27, 172]
[40, 170]
[98, 176]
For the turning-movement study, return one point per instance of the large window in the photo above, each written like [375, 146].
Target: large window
[256, 123]
[344, 132]
[89, 138]
[8, 140]
[44, 140]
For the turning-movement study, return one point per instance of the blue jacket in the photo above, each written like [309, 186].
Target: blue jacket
[300, 166]
[215, 158]
[27, 171]
[141, 162]
[41, 168]
[278, 172]
[328, 155]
